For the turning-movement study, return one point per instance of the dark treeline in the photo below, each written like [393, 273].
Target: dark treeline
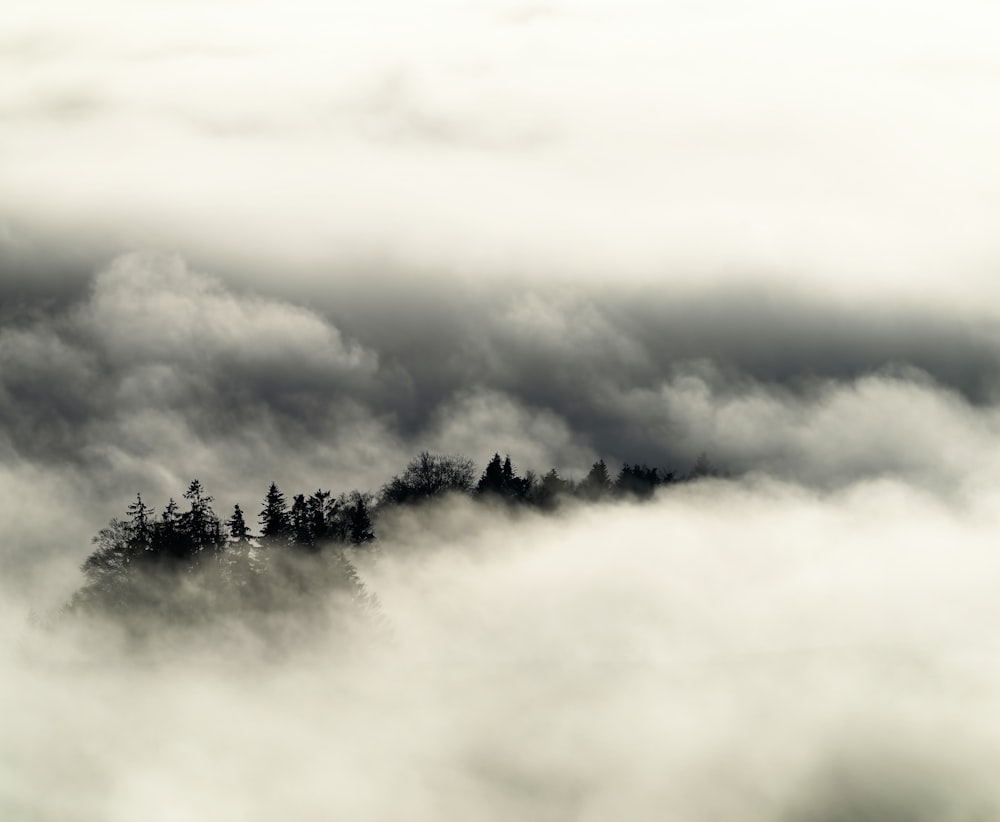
[187, 564]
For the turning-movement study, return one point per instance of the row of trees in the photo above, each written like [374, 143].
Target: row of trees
[431, 475]
[306, 546]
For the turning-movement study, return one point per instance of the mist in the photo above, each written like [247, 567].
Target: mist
[731, 650]
[300, 244]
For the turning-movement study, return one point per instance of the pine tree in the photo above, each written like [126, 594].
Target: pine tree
[492, 480]
[274, 522]
[241, 569]
[550, 489]
[300, 523]
[169, 545]
[319, 511]
[639, 480]
[360, 529]
[140, 525]
[239, 531]
[597, 483]
[199, 524]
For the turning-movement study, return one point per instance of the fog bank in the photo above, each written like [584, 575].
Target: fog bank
[740, 651]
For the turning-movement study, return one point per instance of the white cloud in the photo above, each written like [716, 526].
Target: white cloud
[891, 423]
[151, 308]
[846, 151]
[742, 652]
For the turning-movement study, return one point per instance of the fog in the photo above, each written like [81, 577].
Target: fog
[303, 242]
[155, 372]
[733, 650]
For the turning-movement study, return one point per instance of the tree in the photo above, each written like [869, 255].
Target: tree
[239, 531]
[492, 480]
[430, 475]
[597, 483]
[550, 489]
[640, 480]
[140, 526]
[199, 524]
[241, 569]
[359, 522]
[500, 480]
[320, 511]
[169, 543]
[301, 523]
[111, 558]
[274, 522]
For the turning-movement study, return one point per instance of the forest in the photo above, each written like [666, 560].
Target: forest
[187, 565]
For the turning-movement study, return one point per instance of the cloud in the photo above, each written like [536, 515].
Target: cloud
[749, 651]
[151, 309]
[154, 372]
[893, 423]
[539, 438]
[627, 231]
[665, 147]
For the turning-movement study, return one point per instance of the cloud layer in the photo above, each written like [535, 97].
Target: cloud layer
[156, 373]
[847, 151]
[564, 232]
[742, 652]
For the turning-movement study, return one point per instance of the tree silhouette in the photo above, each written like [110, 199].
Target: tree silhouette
[360, 530]
[492, 480]
[550, 489]
[301, 523]
[112, 555]
[199, 524]
[321, 513]
[640, 481]
[597, 483]
[240, 549]
[274, 521]
[428, 476]
[157, 567]
[169, 545]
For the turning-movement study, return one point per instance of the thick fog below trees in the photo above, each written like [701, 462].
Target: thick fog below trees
[731, 650]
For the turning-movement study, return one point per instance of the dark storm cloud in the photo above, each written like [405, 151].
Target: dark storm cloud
[617, 368]
[156, 361]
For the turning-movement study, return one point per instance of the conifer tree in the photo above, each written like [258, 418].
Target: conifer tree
[140, 524]
[360, 530]
[199, 524]
[240, 566]
[239, 531]
[492, 480]
[550, 489]
[274, 522]
[639, 480]
[597, 483]
[300, 523]
[168, 538]
[320, 510]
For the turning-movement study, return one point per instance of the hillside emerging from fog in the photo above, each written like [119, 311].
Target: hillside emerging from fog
[187, 565]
